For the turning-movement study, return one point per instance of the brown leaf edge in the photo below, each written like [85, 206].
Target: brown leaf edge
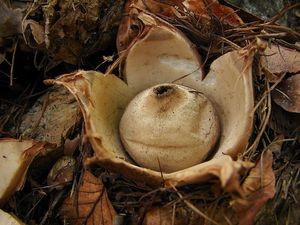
[90, 205]
[258, 187]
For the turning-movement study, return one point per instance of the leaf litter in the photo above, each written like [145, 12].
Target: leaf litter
[130, 201]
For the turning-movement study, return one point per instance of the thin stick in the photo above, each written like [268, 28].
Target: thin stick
[13, 64]
[264, 124]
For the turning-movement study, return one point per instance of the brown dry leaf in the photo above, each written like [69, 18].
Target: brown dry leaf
[212, 8]
[258, 187]
[71, 145]
[130, 26]
[191, 213]
[90, 206]
[170, 216]
[205, 11]
[15, 158]
[37, 31]
[287, 94]
[164, 8]
[74, 30]
[51, 117]
[278, 59]
[62, 172]
[10, 23]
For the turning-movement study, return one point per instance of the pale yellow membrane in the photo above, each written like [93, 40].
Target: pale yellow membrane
[8, 219]
[13, 166]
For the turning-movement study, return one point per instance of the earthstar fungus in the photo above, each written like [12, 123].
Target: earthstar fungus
[161, 55]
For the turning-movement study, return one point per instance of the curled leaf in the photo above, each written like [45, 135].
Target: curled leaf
[90, 205]
[258, 188]
[37, 31]
[71, 145]
[62, 172]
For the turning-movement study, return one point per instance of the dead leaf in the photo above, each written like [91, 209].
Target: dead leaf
[73, 30]
[212, 8]
[70, 146]
[287, 94]
[51, 117]
[10, 23]
[62, 172]
[90, 206]
[205, 11]
[277, 146]
[258, 187]
[169, 215]
[278, 59]
[37, 31]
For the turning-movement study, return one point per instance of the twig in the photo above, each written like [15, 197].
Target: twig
[264, 124]
[13, 64]
[56, 200]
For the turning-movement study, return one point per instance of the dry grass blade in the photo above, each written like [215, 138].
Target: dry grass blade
[263, 108]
